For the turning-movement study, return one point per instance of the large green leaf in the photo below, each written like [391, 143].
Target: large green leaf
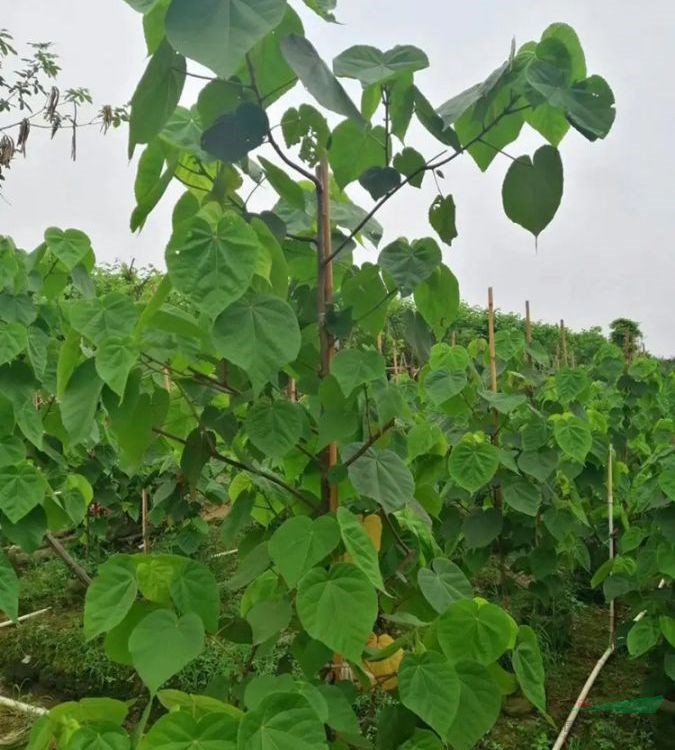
[451, 110]
[429, 686]
[286, 188]
[181, 640]
[443, 584]
[354, 149]
[195, 589]
[383, 476]
[283, 721]
[356, 367]
[268, 618]
[113, 315]
[219, 33]
[156, 95]
[482, 526]
[214, 266]
[274, 428]
[643, 636]
[410, 264]
[441, 385]
[179, 730]
[12, 451]
[367, 299]
[442, 218]
[480, 702]
[338, 607]
[300, 543]
[533, 189]
[474, 630]
[71, 246]
[115, 358]
[317, 77]
[80, 401]
[360, 546]
[9, 589]
[260, 334]
[370, 65]
[22, 487]
[529, 667]
[522, 496]
[437, 300]
[110, 596]
[13, 340]
[473, 462]
[573, 435]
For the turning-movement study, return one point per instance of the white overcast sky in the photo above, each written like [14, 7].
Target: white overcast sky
[609, 251]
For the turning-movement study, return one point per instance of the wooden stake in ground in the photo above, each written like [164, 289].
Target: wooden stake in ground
[144, 521]
[563, 342]
[564, 732]
[528, 330]
[499, 499]
[67, 558]
[324, 303]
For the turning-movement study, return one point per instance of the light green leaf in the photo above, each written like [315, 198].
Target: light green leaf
[214, 266]
[667, 625]
[156, 95]
[354, 149]
[480, 702]
[268, 618]
[13, 340]
[573, 435]
[473, 462]
[99, 738]
[355, 367]
[443, 584]
[370, 65]
[283, 721]
[274, 428]
[338, 607]
[360, 546]
[260, 334]
[219, 33]
[533, 189]
[409, 265]
[643, 636]
[317, 77]
[529, 667]
[300, 543]
[383, 476]
[110, 596]
[437, 300]
[9, 589]
[504, 403]
[429, 686]
[12, 451]
[80, 401]
[522, 496]
[182, 640]
[286, 188]
[70, 247]
[195, 589]
[474, 630]
[22, 487]
[179, 730]
[115, 358]
[113, 315]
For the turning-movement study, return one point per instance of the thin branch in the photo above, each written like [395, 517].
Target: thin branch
[370, 442]
[430, 165]
[242, 467]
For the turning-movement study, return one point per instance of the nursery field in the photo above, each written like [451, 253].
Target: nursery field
[289, 493]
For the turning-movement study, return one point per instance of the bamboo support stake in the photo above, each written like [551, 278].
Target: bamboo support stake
[23, 618]
[67, 558]
[144, 521]
[324, 302]
[23, 708]
[499, 499]
[454, 338]
[528, 330]
[563, 342]
[395, 355]
[586, 689]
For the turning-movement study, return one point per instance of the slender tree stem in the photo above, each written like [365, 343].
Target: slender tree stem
[370, 442]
